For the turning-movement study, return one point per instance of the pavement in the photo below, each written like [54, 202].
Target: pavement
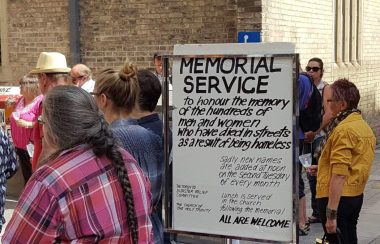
[368, 225]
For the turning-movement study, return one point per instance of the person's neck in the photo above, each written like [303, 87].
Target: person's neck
[113, 116]
[138, 114]
[317, 82]
[81, 83]
[28, 99]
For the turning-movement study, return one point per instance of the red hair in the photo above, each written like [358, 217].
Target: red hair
[345, 90]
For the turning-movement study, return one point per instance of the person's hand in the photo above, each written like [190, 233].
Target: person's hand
[23, 123]
[309, 136]
[331, 226]
[20, 122]
[312, 170]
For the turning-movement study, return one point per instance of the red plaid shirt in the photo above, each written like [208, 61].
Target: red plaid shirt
[78, 198]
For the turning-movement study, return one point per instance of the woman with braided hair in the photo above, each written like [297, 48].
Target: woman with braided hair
[89, 190]
[116, 93]
[345, 159]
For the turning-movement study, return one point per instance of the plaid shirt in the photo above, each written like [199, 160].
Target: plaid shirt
[78, 198]
[8, 167]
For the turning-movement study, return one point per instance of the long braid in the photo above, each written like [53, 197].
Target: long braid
[89, 128]
[105, 144]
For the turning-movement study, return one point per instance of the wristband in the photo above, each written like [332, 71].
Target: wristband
[331, 213]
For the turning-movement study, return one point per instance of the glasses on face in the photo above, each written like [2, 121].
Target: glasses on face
[23, 83]
[314, 69]
[99, 93]
[332, 100]
[95, 93]
[40, 120]
[77, 78]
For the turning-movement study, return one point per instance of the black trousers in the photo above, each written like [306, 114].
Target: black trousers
[26, 166]
[348, 214]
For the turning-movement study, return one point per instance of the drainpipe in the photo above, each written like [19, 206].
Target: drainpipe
[74, 22]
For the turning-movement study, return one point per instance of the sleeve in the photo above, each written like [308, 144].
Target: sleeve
[35, 110]
[341, 153]
[35, 218]
[8, 156]
[304, 92]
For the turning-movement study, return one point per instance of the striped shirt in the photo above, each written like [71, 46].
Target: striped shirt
[146, 147]
[77, 198]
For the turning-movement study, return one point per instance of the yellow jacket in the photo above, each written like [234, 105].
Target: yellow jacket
[349, 151]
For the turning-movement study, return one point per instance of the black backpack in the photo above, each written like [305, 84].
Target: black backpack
[311, 117]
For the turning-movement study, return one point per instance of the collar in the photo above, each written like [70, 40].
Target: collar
[149, 118]
[352, 117]
[76, 148]
[123, 122]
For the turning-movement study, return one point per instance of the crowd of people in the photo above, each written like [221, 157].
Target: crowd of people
[91, 154]
[94, 171]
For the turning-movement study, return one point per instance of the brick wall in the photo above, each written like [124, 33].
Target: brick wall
[35, 26]
[368, 71]
[113, 30]
[110, 31]
[310, 25]
[136, 29]
[249, 17]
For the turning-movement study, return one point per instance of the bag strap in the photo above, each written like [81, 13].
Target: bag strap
[339, 237]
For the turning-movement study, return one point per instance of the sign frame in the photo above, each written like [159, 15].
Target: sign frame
[168, 200]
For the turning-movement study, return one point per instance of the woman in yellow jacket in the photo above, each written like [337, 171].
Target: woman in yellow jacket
[346, 156]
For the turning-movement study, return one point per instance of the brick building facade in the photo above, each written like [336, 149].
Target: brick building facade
[344, 33]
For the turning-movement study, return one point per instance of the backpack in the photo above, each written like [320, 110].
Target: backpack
[311, 117]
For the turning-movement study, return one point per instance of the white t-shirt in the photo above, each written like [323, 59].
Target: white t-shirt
[320, 87]
[88, 86]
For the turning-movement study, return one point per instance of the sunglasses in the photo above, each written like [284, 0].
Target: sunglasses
[314, 69]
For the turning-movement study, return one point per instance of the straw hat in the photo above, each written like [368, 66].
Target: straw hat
[51, 62]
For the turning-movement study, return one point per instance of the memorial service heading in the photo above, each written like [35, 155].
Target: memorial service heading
[245, 77]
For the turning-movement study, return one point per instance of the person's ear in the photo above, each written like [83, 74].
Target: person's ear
[344, 105]
[103, 101]
[43, 79]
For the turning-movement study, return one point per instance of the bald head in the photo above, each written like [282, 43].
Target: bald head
[80, 73]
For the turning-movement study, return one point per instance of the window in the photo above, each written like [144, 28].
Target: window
[347, 31]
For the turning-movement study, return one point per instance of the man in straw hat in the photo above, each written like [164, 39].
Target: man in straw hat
[52, 71]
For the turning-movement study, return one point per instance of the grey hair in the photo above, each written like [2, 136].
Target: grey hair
[58, 77]
[31, 85]
[72, 118]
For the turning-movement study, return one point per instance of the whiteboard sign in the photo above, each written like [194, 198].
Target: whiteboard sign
[233, 140]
